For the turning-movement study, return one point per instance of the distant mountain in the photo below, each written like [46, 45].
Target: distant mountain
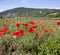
[30, 12]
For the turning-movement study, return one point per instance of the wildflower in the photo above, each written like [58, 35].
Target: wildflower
[26, 26]
[31, 30]
[58, 23]
[17, 25]
[34, 26]
[32, 22]
[47, 31]
[19, 33]
[2, 33]
[5, 28]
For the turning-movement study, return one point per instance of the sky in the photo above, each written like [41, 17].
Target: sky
[10, 4]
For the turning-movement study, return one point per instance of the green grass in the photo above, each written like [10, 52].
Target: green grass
[30, 44]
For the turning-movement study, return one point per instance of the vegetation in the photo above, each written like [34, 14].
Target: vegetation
[30, 12]
[29, 37]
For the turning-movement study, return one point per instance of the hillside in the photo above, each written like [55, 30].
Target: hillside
[30, 12]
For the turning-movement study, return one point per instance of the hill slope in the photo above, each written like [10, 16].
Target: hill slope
[33, 12]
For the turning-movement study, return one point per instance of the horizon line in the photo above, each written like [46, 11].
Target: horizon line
[30, 7]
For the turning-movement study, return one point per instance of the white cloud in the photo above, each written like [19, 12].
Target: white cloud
[23, 1]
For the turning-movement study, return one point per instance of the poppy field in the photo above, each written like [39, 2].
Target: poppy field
[29, 37]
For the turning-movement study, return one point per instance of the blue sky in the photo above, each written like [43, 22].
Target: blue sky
[9, 4]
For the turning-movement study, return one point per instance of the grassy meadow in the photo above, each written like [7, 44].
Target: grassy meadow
[29, 37]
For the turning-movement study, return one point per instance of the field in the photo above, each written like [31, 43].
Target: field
[29, 37]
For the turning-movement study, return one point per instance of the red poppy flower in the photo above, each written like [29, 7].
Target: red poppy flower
[58, 23]
[32, 22]
[17, 25]
[5, 28]
[47, 31]
[2, 31]
[26, 25]
[34, 26]
[31, 30]
[19, 33]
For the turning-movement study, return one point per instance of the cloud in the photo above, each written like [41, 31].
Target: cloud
[23, 1]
